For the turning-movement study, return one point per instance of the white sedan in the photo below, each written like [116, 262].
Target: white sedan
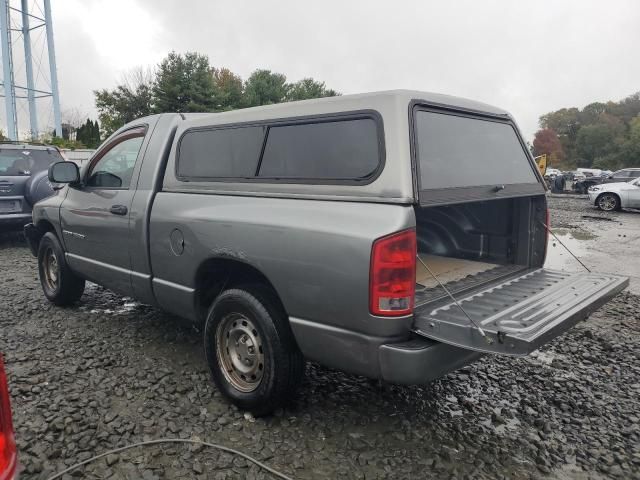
[614, 196]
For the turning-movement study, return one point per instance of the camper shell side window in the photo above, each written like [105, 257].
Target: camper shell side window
[346, 148]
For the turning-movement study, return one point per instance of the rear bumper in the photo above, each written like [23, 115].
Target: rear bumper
[419, 361]
[16, 220]
[405, 359]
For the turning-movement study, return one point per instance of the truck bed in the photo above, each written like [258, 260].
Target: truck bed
[456, 274]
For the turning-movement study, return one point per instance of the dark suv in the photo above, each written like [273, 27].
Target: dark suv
[23, 180]
[624, 175]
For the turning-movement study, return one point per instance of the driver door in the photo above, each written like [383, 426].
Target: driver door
[95, 215]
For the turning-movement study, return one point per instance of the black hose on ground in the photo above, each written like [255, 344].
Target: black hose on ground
[174, 440]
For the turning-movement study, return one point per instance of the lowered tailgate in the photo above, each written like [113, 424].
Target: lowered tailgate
[520, 314]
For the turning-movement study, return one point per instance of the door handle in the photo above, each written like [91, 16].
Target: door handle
[118, 209]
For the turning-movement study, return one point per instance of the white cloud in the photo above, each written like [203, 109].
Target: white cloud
[527, 57]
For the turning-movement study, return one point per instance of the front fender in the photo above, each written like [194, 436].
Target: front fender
[46, 214]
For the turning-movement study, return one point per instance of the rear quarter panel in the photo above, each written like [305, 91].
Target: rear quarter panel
[316, 253]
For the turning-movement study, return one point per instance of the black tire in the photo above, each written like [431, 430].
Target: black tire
[608, 202]
[276, 366]
[67, 287]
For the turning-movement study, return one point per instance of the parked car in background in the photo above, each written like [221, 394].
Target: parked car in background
[614, 196]
[321, 229]
[590, 172]
[23, 180]
[8, 450]
[552, 172]
[624, 175]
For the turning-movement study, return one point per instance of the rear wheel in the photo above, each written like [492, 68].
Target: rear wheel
[59, 284]
[250, 349]
[608, 202]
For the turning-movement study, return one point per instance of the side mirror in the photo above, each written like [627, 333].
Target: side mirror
[64, 172]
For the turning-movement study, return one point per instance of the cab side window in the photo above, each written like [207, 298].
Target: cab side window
[114, 167]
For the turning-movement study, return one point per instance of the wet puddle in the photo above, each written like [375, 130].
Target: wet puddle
[558, 258]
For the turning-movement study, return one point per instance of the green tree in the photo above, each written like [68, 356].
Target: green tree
[630, 148]
[88, 134]
[187, 83]
[264, 87]
[599, 135]
[565, 122]
[627, 109]
[591, 113]
[130, 100]
[228, 89]
[594, 142]
[184, 84]
[308, 88]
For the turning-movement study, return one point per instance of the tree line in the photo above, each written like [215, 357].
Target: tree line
[600, 135]
[189, 83]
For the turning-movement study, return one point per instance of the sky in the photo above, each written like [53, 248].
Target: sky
[528, 57]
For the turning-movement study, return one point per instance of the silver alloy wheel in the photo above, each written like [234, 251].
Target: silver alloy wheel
[607, 202]
[239, 352]
[51, 269]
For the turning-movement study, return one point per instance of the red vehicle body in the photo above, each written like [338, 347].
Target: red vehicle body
[8, 451]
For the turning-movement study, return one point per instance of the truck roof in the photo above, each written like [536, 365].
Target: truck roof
[372, 100]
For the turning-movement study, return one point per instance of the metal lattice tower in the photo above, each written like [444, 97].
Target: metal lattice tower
[30, 92]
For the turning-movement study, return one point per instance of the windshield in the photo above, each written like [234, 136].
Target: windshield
[457, 151]
[26, 162]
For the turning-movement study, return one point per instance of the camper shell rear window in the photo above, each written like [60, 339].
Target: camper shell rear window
[338, 148]
[468, 157]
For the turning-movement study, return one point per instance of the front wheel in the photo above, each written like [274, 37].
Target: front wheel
[608, 202]
[60, 285]
[250, 349]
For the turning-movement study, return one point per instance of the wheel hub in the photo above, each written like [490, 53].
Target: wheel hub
[607, 202]
[51, 269]
[239, 351]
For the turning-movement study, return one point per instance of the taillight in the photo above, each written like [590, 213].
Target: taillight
[8, 452]
[392, 278]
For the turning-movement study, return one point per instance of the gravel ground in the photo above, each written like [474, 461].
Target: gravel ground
[110, 372]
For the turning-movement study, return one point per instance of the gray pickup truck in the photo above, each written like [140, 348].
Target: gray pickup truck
[396, 235]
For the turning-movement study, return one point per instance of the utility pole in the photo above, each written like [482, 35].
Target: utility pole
[7, 68]
[52, 67]
[31, 95]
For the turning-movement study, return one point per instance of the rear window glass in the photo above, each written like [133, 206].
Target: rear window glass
[228, 152]
[346, 149]
[455, 151]
[26, 162]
